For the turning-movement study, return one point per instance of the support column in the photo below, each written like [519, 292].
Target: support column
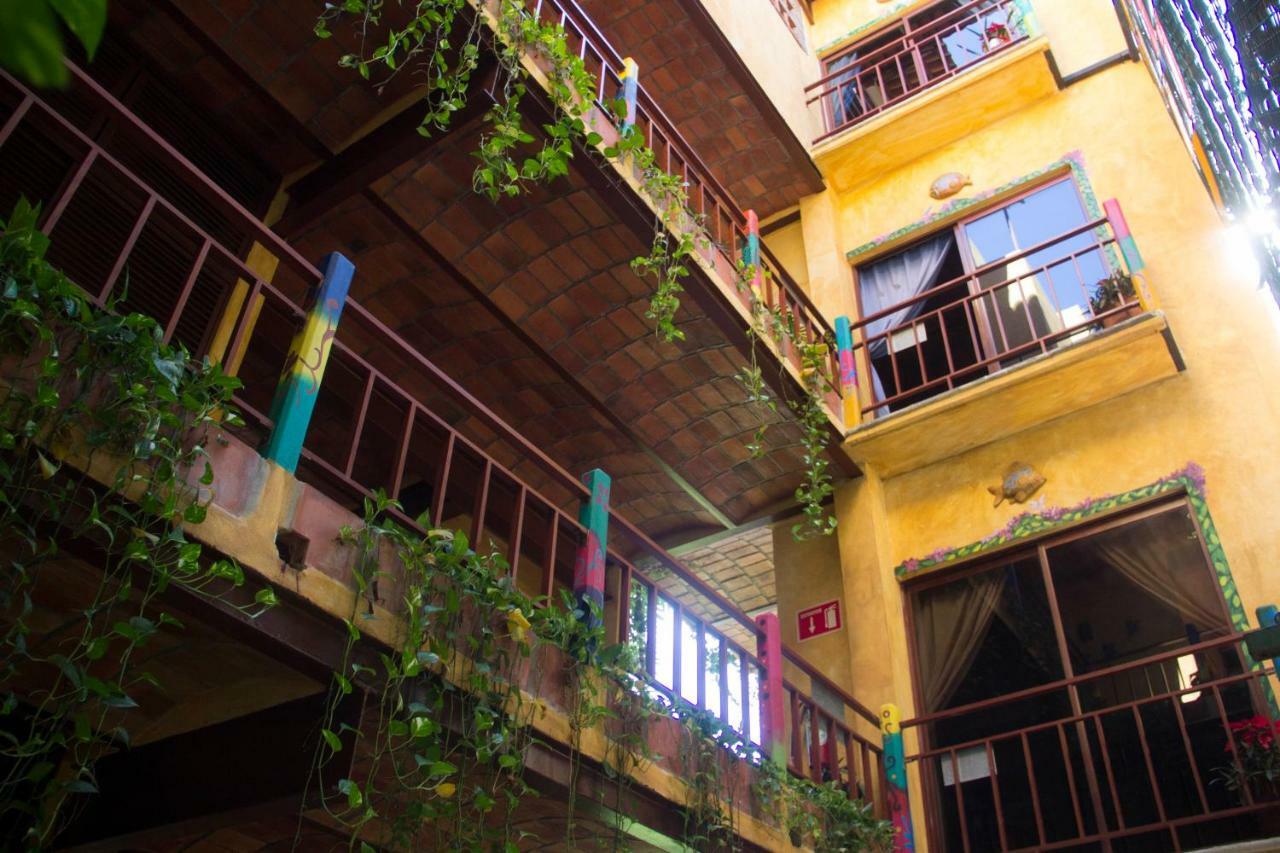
[773, 723]
[848, 373]
[263, 264]
[1132, 258]
[1269, 616]
[895, 771]
[588, 567]
[299, 385]
[630, 77]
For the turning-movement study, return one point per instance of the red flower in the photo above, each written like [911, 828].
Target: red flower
[1260, 722]
[1238, 725]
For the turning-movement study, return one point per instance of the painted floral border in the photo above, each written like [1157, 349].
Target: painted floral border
[1072, 160]
[1024, 525]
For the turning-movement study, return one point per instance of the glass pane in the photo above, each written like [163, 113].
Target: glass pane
[1134, 591]
[1038, 294]
[985, 635]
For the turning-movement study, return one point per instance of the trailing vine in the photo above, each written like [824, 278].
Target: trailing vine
[821, 816]
[82, 390]
[511, 160]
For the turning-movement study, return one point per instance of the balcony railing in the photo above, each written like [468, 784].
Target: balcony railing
[1003, 312]
[886, 68]
[724, 222]
[1138, 751]
[386, 415]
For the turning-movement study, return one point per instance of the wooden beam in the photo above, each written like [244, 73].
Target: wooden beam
[377, 154]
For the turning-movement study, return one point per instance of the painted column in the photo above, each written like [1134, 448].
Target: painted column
[296, 393]
[588, 567]
[1132, 258]
[630, 77]
[848, 373]
[895, 771]
[263, 264]
[751, 254]
[1269, 616]
[773, 723]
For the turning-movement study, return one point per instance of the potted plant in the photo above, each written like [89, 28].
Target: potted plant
[1109, 293]
[1255, 757]
[998, 35]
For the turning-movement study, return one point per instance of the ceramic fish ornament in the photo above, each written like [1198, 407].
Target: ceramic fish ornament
[1019, 483]
[949, 184]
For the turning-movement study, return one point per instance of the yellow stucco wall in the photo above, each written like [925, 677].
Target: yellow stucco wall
[782, 67]
[1221, 412]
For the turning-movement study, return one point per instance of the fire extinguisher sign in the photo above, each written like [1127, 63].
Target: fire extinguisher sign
[819, 620]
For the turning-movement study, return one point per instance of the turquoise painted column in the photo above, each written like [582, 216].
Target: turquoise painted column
[1129, 249]
[588, 567]
[773, 721]
[295, 398]
[848, 372]
[1269, 616]
[895, 771]
[630, 77]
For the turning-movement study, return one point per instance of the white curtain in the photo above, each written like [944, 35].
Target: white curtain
[894, 280]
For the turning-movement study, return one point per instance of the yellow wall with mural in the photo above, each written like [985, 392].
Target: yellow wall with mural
[1220, 412]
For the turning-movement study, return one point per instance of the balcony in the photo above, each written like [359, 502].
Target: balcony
[1012, 344]
[1133, 753]
[140, 228]
[918, 84]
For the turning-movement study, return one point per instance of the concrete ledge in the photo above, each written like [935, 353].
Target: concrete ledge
[1101, 367]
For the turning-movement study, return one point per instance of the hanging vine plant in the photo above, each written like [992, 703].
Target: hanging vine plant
[85, 389]
[511, 159]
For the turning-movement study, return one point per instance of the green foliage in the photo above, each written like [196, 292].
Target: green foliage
[444, 761]
[821, 816]
[102, 390]
[31, 42]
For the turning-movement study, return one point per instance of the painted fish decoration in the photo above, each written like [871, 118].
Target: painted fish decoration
[949, 184]
[1019, 483]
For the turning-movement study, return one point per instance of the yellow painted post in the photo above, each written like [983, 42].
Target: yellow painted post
[263, 264]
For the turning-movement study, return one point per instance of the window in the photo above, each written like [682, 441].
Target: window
[1082, 616]
[997, 288]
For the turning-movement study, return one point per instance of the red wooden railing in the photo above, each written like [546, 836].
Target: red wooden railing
[723, 221]
[873, 75]
[1137, 753]
[973, 335]
[386, 416]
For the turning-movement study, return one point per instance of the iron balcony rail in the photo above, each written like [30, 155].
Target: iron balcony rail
[724, 222]
[108, 227]
[1145, 757]
[996, 321]
[873, 78]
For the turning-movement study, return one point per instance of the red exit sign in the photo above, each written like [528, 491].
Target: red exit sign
[816, 621]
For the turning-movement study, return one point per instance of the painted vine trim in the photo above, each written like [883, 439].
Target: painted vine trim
[1072, 161]
[1189, 479]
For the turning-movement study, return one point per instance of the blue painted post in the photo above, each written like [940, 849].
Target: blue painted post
[848, 373]
[295, 398]
[588, 567]
[1268, 616]
[895, 771]
[630, 77]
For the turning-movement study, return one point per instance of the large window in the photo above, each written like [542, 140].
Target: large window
[1094, 619]
[994, 289]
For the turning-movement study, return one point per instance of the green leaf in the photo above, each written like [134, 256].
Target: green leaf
[332, 740]
[80, 786]
[266, 597]
[85, 18]
[31, 43]
[355, 798]
[441, 768]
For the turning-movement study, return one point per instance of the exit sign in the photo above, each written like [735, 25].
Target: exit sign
[816, 621]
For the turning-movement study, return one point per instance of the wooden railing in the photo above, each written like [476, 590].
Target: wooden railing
[990, 318]
[873, 75]
[386, 416]
[1137, 750]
